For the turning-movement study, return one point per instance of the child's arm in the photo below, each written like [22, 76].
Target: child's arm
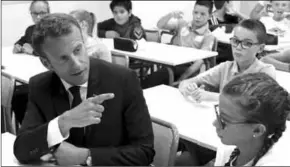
[105, 26]
[256, 12]
[281, 61]
[164, 22]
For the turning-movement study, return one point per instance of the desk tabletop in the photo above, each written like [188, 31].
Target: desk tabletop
[21, 66]
[162, 53]
[193, 121]
[283, 78]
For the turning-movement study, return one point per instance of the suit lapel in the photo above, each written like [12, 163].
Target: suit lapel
[59, 96]
[94, 81]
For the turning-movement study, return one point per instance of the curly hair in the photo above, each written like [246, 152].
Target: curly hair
[264, 100]
[53, 25]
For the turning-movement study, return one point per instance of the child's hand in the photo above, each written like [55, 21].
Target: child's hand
[27, 48]
[17, 48]
[177, 14]
[112, 34]
[199, 94]
[186, 88]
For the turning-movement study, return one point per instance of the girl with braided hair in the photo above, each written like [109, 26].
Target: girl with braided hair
[251, 117]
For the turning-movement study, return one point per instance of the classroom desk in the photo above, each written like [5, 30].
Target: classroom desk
[21, 66]
[193, 121]
[284, 42]
[283, 78]
[164, 54]
[8, 158]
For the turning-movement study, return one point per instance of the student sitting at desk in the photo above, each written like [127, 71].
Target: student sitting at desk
[281, 61]
[124, 24]
[38, 9]
[248, 40]
[251, 121]
[94, 45]
[278, 24]
[194, 34]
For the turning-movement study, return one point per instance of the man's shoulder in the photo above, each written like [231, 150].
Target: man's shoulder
[41, 80]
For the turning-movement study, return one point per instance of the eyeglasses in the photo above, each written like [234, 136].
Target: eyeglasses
[39, 13]
[223, 124]
[244, 44]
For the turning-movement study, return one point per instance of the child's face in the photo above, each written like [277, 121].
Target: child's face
[232, 126]
[38, 10]
[200, 15]
[121, 15]
[251, 46]
[279, 7]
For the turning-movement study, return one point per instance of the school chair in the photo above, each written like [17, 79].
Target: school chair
[211, 62]
[7, 90]
[152, 35]
[168, 37]
[166, 138]
[122, 60]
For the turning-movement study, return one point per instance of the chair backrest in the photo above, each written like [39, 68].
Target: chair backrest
[166, 139]
[152, 35]
[120, 60]
[166, 36]
[211, 62]
[7, 90]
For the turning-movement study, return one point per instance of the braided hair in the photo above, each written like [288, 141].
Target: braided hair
[264, 100]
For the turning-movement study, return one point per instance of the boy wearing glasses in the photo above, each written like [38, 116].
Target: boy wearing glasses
[38, 9]
[248, 40]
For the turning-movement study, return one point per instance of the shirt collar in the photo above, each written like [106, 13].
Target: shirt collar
[235, 69]
[67, 85]
[201, 31]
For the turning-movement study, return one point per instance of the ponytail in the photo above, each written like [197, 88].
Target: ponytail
[94, 26]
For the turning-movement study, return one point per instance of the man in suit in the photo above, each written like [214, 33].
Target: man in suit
[83, 111]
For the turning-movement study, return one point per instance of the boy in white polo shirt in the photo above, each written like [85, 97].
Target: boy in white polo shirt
[248, 40]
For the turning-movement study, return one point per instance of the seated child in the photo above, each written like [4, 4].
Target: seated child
[251, 122]
[280, 60]
[248, 40]
[38, 9]
[195, 34]
[124, 24]
[224, 14]
[88, 23]
[278, 24]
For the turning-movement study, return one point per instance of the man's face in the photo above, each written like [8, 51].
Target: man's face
[67, 57]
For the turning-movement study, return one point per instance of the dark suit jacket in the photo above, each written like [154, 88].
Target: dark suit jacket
[124, 136]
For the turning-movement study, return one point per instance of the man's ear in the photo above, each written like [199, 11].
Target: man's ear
[46, 63]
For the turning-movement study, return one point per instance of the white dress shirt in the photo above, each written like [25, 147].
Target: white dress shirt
[54, 135]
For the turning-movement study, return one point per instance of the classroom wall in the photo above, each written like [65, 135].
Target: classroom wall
[16, 17]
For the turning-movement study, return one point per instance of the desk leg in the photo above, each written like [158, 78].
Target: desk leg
[171, 75]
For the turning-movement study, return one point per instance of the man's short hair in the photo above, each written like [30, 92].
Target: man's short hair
[52, 25]
[127, 4]
[206, 3]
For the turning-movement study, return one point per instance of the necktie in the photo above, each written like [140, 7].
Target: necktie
[76, 134]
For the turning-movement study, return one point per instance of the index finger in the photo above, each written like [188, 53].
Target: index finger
[102, 97]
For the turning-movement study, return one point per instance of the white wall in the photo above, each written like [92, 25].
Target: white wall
[16, 17]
